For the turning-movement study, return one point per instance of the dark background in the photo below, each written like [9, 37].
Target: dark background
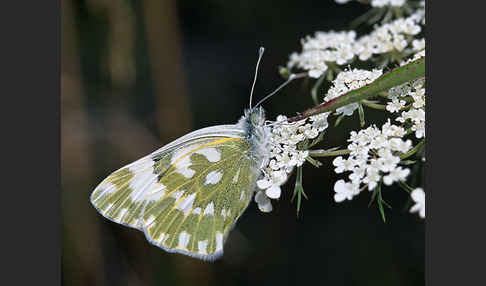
[136, 75]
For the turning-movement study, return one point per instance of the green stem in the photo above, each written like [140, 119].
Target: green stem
[374, 105]
[413, 150]
[406, 187]
[315, 88]
[324, 153]
[397, 76]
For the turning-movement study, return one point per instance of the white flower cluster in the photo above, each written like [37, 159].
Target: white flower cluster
[374, 157]
[339, 48]
[419, 15]
[418, 196]
[350, 80]
[285, 155]
[416, 114]
[393, 36]
[418, 44]
[379, 3]
[383, 3]
[321, 50]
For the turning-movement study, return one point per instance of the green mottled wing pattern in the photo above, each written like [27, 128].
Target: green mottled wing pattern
[122, 195]
[185, 199]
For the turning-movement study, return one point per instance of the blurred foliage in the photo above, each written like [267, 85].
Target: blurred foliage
[135, 75]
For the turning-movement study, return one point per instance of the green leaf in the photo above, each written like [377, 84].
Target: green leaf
[373, 196]
[298, 190]
[413, 150]
[317, 140]
[406, 187]
[361, 115]
[381, 202]
[339, 119]
[313, 161]
[315, 88]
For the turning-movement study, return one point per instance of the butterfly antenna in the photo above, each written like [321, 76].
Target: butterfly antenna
[291, 78]
[260, 54]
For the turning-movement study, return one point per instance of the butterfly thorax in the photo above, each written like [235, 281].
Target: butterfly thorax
[257, 134]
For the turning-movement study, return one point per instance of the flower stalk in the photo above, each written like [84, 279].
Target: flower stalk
[395, 77]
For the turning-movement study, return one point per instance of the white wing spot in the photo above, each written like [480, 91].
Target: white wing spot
[181, 152]
[186, 172]
[183, 240]
[121, 214]
[202, 246]
[219, 241]
[235, 178]
[177, 195]
[162, 237]
[183, 162]
[150, 220]
[210, 153]
[105, 188]
[242, 195]
[209, 210]
[108, 207]
[223, 212]
[196, 211]
[157, 193]
[213, 177]
[143, 179]
[186, 204]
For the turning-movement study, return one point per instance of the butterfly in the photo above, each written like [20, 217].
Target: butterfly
[188, 195]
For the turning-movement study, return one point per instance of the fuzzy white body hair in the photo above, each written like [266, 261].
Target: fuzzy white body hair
[258, 135]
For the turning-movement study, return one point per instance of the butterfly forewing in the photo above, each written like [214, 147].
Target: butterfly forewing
[185, 198]
[208, 186]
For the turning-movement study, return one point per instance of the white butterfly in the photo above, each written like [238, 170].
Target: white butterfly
[187, 195]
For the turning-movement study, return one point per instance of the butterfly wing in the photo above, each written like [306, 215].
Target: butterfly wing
[185, 198]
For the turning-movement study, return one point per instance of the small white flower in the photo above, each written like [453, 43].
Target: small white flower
[391, 130]
[349, 80]
[347, 110]
[310, 132]
[319, 121]
[263, 202]
[372, 178]
[344, 191]
[379, 141]
[418, 44]
[357, 149]
[397, 144]
[316, 73]
[284, 160]
[418, 196]
[357, 174]
[272, 185]
[296, 138]
[395, 175]
[300, 157]
[281, 118]
[389, 37]
[274, 165]
[321, 49]
[343, 164]
[395, 105]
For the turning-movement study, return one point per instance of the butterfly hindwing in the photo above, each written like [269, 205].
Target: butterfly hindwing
[208, 186]
[186, 198]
